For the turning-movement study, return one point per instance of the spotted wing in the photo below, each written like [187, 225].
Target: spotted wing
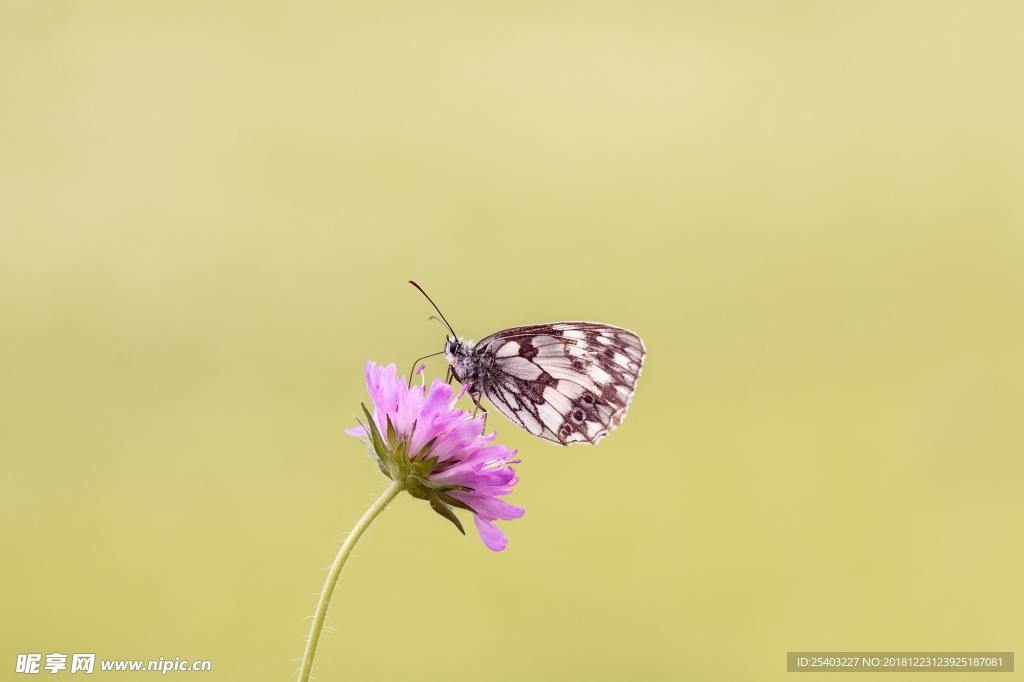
[567, 382]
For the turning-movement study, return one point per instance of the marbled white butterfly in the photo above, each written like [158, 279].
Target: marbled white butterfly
[567, 382]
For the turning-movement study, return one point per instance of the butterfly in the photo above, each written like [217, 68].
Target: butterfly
[566, 382]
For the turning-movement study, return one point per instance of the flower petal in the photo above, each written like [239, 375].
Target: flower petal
[488, 506]
[489, 533]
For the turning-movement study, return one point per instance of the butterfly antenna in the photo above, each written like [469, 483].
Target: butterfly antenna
[447, 324]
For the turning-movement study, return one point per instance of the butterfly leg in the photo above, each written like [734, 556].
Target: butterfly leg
[477, 407]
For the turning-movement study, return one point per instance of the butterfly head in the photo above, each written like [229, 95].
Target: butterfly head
[455, 347]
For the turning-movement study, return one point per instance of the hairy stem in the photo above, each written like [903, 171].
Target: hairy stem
[332, 577]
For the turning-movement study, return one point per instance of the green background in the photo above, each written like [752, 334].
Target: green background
[813, 213]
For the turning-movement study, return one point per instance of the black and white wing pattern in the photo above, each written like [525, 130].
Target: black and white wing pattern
[567, 382]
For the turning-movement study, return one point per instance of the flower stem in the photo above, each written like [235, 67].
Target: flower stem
[332, 578]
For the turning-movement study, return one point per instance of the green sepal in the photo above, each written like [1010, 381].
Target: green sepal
[444, 510]
[392, 435]
[400, 452]
[423, 467]
[441, 487]
[448, 499]
[376, 455]
[375, 437]
[425, 452]
[417, 486]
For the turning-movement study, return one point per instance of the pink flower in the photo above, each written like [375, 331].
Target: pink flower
[437, 452]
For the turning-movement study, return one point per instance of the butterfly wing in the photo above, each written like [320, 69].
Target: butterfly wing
[567, 382]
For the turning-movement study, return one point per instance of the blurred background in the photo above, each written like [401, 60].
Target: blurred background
[812, 212]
